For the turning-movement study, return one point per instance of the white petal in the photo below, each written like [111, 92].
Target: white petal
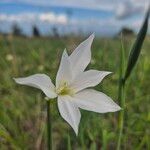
[87, 79]
[69, 112]
[40, 81]
[93, 100]
[64, 71]
[81, 56]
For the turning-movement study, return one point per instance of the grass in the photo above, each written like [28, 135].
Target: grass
[23, 109]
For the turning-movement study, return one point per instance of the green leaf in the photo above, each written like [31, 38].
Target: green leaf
[136, 49]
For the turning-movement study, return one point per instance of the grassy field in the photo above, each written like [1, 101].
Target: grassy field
[23, 109]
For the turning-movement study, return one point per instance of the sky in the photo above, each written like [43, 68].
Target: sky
[103, 17]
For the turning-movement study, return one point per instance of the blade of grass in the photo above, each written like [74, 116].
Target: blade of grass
[136, 48]
[133, 57]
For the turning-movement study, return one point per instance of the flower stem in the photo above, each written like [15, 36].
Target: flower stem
[121, 94]
[121, 114]
[49, 126]
[68, 142]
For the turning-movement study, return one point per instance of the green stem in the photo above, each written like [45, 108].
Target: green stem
[68, 142]
[121, 114]
[49, 126]
[121, 94]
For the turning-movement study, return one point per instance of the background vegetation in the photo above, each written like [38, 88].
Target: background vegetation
[23, 109]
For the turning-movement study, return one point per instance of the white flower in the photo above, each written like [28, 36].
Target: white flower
[72, 84]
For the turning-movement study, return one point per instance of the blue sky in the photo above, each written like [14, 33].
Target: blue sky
[104, 17]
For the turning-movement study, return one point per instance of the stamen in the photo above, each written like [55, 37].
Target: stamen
[64, 89]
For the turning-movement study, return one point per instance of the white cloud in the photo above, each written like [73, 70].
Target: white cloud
[125, 9]
[35, 17]
[52, 18]
[130, 7]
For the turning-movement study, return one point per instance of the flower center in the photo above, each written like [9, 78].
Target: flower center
[64, 89]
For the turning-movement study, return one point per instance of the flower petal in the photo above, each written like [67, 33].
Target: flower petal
[81, 56]
[93, 100]
[64, 71]
[87, 79]
[40, 81]
[69, 112]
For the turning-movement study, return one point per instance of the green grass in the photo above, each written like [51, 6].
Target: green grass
[23, 109]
